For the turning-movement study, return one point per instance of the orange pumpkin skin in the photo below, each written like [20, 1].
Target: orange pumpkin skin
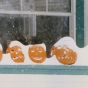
[66, 56]
[37, 54]
[16, 54]
[8, 50]
[1, 54]
[53, 51]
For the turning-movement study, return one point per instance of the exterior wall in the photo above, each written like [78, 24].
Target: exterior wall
[51, 81]
[43, 81]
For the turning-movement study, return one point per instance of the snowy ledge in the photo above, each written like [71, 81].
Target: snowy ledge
[49, 66]
[44, 69]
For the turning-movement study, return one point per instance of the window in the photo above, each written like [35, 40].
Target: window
[36, 21]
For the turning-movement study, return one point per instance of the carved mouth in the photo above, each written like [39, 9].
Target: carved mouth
[37, 58]
[17, 57]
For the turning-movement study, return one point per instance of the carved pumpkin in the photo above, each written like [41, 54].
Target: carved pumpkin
[16, 54]
[66, 55]
[1, 54]
[53, 51]
[8, 50]
[37, 54]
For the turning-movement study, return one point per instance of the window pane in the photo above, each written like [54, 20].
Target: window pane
[40, 5]
[9, 4]
[51, 5]
[33, 29]
[59, 5]
[34, 5]
[28, 5]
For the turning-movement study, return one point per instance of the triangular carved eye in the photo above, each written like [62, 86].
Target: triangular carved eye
[40, 50]
[11, 50]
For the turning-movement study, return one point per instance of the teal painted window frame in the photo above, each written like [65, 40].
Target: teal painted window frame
[80, 23]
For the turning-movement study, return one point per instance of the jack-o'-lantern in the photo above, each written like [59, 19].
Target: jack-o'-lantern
[66, 55]
[8, 50]
[53, 51]
[37, 54]
[16, 54]
[1, 54]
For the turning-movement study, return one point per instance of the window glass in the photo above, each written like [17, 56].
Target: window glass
[59, 5]
[49, 5]
[40, 5]
[10, 5]
[34, 5]
[28, 5]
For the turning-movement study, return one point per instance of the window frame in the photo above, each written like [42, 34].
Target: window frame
[85, 22]
[71, 15]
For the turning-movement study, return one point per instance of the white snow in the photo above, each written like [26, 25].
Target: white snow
[82, 53]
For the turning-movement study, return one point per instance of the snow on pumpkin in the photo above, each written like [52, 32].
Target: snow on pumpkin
[16, 51]
[65, 51]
